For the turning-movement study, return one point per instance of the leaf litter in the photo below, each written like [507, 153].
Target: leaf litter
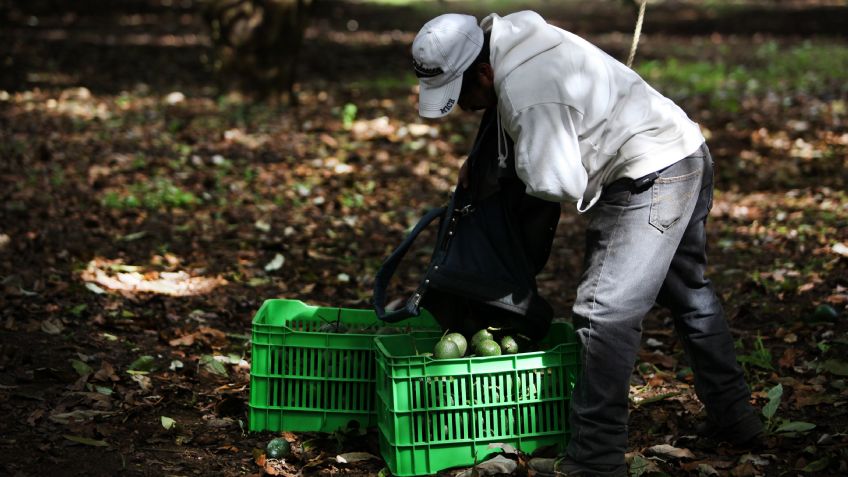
[132, 205]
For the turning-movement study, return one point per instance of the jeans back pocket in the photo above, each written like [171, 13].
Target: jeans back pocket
[671, 198]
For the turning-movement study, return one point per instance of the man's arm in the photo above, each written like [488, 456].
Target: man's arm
[547, 152]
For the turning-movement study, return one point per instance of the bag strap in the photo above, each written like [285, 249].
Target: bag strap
[387, 270]
[460, 199]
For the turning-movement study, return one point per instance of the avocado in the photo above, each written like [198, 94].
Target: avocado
[481, 335]
[509, 345]
[278, 448]
[825, 312]
[460, 341]
[446, 349]
[487, 348]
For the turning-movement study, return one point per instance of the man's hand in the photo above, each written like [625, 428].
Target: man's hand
[463, 174]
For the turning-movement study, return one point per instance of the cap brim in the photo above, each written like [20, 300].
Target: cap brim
[438, 101]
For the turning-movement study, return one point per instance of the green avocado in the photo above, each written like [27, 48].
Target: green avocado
[481, 335]
[487, 348]
[278, 448]
[446, 349]
[460, 341]
[509, 345]
[825, 312]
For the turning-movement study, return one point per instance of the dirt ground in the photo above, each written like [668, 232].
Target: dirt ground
[112, 312]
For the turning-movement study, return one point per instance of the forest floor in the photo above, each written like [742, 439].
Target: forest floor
[146, 213]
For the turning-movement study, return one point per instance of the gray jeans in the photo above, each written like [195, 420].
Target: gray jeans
[644, 246]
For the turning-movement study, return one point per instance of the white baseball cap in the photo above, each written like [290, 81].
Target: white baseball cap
[441, 52]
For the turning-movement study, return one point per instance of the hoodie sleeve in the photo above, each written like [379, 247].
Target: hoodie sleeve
[547, 154]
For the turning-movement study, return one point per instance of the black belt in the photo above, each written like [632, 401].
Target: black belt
[634, 185]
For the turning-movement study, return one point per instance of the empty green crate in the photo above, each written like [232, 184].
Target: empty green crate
[434, 414]
[303, 379]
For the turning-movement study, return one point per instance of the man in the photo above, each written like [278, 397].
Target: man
[589, 130]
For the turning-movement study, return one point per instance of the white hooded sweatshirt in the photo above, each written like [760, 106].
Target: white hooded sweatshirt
[579, 118]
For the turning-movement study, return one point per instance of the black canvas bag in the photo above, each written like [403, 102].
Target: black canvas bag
[493, 240]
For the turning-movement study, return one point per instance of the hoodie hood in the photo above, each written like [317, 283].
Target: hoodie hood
[516, 38]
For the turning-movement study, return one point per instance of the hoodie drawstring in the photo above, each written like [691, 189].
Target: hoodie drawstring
[502, 144]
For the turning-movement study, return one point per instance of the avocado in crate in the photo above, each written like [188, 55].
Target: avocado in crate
[313, 368]
[435, 414]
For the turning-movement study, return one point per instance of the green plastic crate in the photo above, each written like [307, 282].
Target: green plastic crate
[302, 379]
[434, 414]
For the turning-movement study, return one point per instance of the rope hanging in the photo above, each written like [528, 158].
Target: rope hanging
[637, 32]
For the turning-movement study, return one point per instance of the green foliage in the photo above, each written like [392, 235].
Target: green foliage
[80, 367]
[639, 466]
[57, 178]
[768, 281]
[808, 68]
[249, 174]
[774, 395]
[212, 365]
[775, 425]
[384, 84]
[697, 77]
[759, 357]
[143, 364]
[138, 162]
[817, 465]
[123, 100]
[680, 79]
[352, 200]
[167, 422]
[159, 192]
[355, 199]
[348, 115]
[77, 310]
[835, 367]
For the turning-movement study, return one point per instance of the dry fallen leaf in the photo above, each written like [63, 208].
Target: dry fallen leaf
[143, 381]
[276, 467]
[666, 450]
[744, 470]
[259, 456]
[79, 415]
[840, 248]
[52, 326]
[787, 360]
[106, 373]
[185, 340]
[35, 416]
[351, 457]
